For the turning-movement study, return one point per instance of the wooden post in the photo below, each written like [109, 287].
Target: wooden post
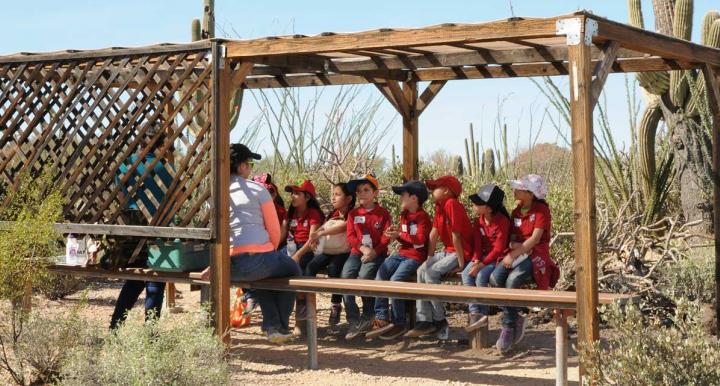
[220, 261]
[480, 338]
[584, 188]
[170, 295]
[410, 132]
[561, 347]
[311, 303]
[713, 92]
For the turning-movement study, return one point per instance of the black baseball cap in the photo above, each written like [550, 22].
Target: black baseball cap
[241, 153]
[490, 195]
[415, 188]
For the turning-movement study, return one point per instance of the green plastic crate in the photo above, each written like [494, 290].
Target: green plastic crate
[178, 256]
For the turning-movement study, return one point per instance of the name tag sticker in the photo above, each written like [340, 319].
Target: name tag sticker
[482, 231]
[404, 228]
[305, 224]
[359, 220]
[413, 229]
[518, 222]
[293, 223]
[532, 217]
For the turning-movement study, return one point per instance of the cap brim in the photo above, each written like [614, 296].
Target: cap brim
[517, 185]
[432, 184]
[475, 199]
[255, 156]
[399, 189]
[290, 188]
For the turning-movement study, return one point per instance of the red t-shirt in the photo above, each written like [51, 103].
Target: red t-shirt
[450, 217]
[545, 271]
[281, 212]
[414, 231]
[367, 227]
[299, 225]
[491, 239]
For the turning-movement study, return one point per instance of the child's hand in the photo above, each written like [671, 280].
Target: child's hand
[507, 261]
[314, 236]
[475, 269]
[392, 233]
[296, 257]
[514, 244]
[368, 257]
[365, 250]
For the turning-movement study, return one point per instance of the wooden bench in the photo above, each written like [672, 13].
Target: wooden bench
[562, 302]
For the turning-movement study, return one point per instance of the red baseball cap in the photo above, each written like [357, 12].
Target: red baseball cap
[302, 186]
[449, 182]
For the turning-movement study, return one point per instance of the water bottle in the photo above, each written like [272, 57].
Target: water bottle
[291, 246]
[71, 250]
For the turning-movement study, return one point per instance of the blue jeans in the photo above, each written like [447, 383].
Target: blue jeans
[432, 271]
[276, 306]
[511, 278]
[395, 268]
[304, 259]
[334, 265]
[129, 294]
[354, 268]
[482, 279]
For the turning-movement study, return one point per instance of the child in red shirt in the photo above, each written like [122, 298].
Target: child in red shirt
[491, 231]
[529, 257]
[412, 235]
[368, 248]
[452, 226]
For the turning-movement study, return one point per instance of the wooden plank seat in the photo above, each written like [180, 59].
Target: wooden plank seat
[562, 302]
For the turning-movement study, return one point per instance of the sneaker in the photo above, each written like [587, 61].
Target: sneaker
[519, 332]
[505, 340]
[476, 320]
[443, 329]
[378, 328]
[250, 306]
[394, 333]
[277, 337]
[354, 331]
[421, 329]
[300, 328]
[335, 311]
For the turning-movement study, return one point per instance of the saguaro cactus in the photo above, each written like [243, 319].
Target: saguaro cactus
[489, 162]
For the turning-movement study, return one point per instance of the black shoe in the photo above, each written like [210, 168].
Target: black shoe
[421, 329]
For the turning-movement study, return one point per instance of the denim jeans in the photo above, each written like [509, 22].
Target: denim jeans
[511, 278]
[482, 279]
[334, 265]
[276, 306]
[304, 259]
[432, 271]
[354, 268]
[395, 268]
[129, 294]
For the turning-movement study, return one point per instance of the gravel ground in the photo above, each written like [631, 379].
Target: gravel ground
[403, 362]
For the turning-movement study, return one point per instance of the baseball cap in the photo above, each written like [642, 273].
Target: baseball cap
[490, 195]
[302, 186]
[241, 153]
[450, 182]
[416, 188]
[533, 183]
[265, 179]
[368, 178]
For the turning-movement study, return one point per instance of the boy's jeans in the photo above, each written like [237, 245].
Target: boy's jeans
[511, 278]
[395, 268]
[482, 279]
[354, 268]
[432, 271]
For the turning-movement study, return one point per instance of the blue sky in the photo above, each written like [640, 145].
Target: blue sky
[43, 25]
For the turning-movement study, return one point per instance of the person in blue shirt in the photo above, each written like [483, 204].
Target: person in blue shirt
[145, 199]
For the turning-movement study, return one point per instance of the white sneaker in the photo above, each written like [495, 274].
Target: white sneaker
[275, 336]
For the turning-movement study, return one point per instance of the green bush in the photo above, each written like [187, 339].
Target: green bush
[645, 351]
[180, 350]
[692, 278]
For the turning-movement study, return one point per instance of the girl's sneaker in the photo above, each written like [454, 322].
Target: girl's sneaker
[379, 327]
[476, 321]
[394, 333]
[421, 329]
[505, 340]
[443, 329]
[278, 337]
[335, 310]
[519, 331]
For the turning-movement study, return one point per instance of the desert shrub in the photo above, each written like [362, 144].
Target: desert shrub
[180, 350]
[59, 286]
[691, 278]
[645, 351]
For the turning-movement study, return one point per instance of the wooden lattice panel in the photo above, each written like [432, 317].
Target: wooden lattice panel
[88, 116]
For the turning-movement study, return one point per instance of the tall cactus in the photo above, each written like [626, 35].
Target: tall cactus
[489, 162]
[685, 91]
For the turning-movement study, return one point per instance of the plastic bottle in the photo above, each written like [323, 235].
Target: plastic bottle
[71, 250]
[291, 246]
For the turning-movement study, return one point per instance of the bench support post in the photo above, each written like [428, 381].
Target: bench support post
[311, 302]
[170, 295]
[561, 347]
[480, 338]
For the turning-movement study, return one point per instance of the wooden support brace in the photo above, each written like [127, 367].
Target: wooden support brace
[311, 302]
[410, 131]
[480, 338]
[429, 94]
[385, 91]
[400, 99]
[602, 69]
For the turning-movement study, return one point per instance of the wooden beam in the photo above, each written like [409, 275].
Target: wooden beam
[602, 68]
[410, 132]
[584, 190]
[385, 91]
[417, 37]
[220, 259]
[429, 94]
[239, 74]
[654, 43]
[127, 230]
[712, 85]
[398, 94]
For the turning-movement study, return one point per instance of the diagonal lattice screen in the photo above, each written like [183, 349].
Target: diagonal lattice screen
[111, 127]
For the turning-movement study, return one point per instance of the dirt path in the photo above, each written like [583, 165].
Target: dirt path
[254, 361]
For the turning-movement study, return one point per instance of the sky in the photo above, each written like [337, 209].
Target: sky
[48, 25]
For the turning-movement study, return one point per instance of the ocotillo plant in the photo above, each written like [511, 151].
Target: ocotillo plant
[685, 112]
[472, 156]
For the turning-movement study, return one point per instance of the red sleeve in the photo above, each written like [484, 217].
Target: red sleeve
[455, 214]
[477, 241]
[423, 231]
[315, 217]
[384, 241]
[500, 244]
[542, 218]
[352, 238]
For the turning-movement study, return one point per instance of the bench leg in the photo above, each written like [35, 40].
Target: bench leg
[312, 331]
[479, 339]
[561, 346]
[170, 295]
[204, 294]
